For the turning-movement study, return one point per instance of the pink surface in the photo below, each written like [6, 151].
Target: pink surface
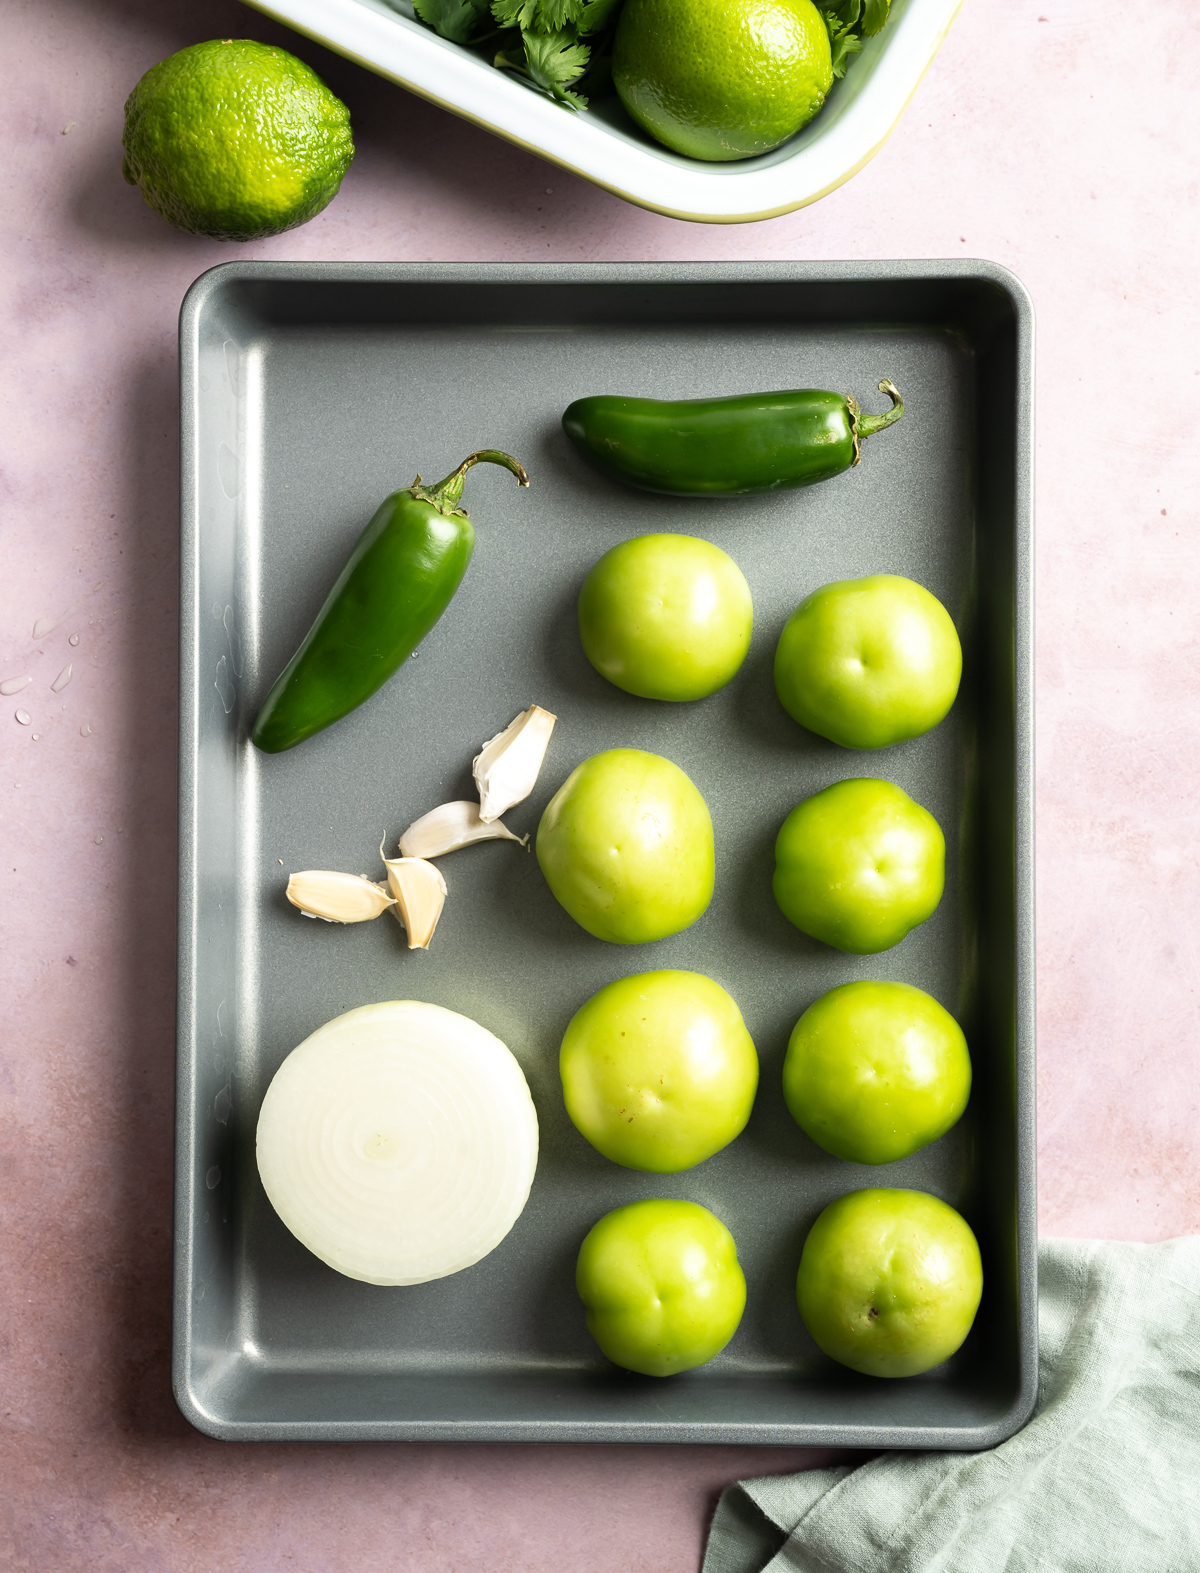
[1052, 137]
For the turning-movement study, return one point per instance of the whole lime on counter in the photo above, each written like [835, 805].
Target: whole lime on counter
[666, 617]
[868, 662]
[859, 865]
[722, 79]
[626, 845]
[235, 140]
[662, 1285]
[889, 1281]
[875, 1071]
[658, 1070]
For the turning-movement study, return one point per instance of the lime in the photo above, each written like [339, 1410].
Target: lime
[236, 140]
[722, 79]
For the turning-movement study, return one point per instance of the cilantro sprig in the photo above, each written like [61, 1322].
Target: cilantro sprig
[550, 61]
[461, 21]
[550, 43]
[849, 22]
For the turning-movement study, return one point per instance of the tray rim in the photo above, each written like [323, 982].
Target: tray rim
[967, 1438]
[445, 74]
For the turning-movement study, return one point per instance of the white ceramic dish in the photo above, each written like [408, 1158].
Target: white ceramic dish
[603, 145]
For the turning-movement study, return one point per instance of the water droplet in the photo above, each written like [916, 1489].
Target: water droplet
[73, 640]
[216, 613]
[213, 1178]
[36, 736]
[99, 840]
[222, 1104]
[14, 685]
[224, 685]
[47, 625]
[233, 365]
[414, 655]
[23, 717]
[71, 962]
[227, 470]
[235, 646]
[61, 681]
[204, 385]
[85, 730]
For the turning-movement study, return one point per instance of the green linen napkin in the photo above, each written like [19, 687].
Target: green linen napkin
[1104, 1479]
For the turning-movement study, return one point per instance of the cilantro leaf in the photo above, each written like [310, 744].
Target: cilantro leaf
[840, 15]
[875, 14]
[843, 48]
[595, 15]
[559, 14]
[849, 22]
[552, 60]
[514, 13]
[555, 16]
[461, 21]
[539, 16]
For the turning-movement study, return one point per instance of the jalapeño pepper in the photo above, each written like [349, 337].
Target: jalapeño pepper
[400, 578]
[737, 447]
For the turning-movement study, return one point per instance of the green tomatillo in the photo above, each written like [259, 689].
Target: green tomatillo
[662, 1285]
[859, 865]
[666, 617]
[875, 1071]
[658, 1070]
[868, 662]
[626, 845]
[889, 1281]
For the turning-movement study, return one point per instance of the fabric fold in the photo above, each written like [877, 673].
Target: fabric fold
[1106, 1475]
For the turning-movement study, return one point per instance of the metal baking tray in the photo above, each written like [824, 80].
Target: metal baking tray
[311, 390]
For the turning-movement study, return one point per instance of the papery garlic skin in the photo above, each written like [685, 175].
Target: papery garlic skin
[449, 827]
[338, 898]
[420, 894]
[506, 768]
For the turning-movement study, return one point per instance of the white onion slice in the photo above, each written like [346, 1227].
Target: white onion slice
[398, 1142]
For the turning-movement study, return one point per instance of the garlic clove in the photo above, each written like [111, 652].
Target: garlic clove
[448, 827]
[338, 898]
[506, 768]
[420, 894]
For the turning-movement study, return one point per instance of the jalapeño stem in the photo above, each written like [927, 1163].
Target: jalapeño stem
[446, 494]
[867, 425]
